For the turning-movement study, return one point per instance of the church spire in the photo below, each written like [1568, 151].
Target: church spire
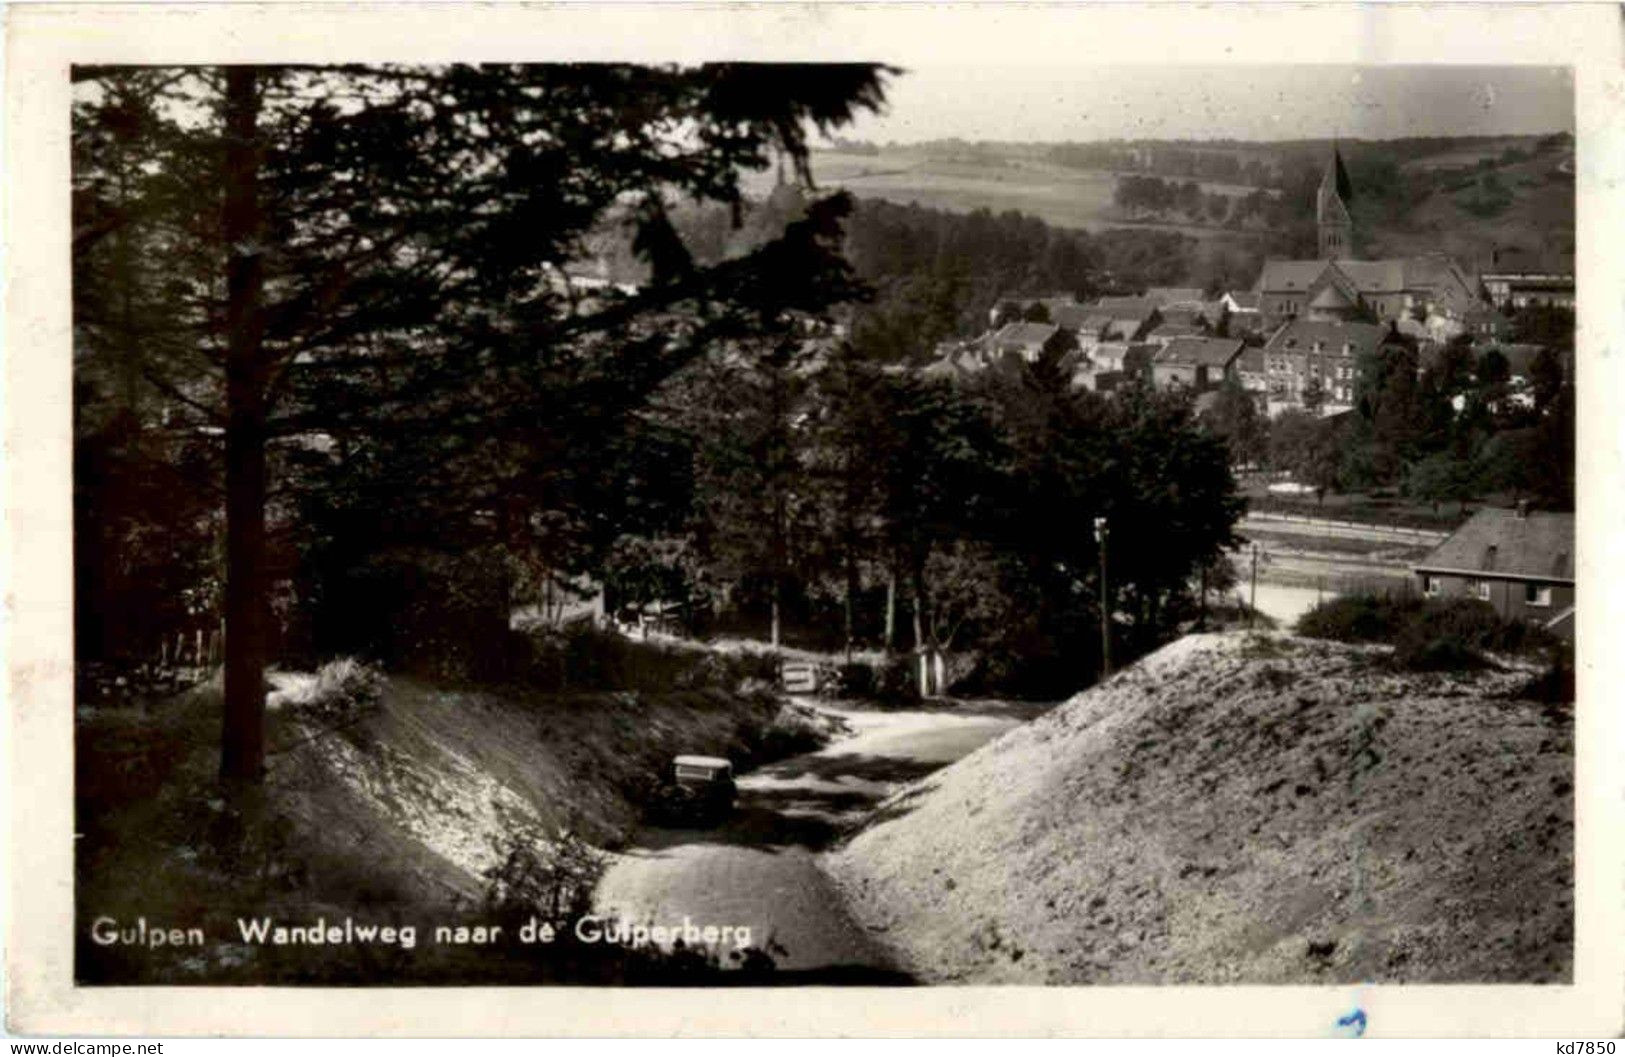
[1331, 210]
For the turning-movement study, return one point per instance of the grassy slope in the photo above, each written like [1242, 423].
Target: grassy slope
[392, 818]
[1234, 809]
[1540, 218]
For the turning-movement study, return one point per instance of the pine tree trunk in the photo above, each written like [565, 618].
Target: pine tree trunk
[852, 587]
[891, 610]
[242, 741]
[921, 622]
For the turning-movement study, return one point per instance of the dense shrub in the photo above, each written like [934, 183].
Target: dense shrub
[794, 729]
[1439, 653]
[855, 680]
[1358, 618]
[1443, 634]
[584, 658]
[896, 679]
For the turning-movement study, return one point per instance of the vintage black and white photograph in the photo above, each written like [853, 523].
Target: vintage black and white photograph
[697, 524]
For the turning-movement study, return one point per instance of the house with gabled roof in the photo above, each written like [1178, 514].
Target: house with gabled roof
[1117, 363]
[1242, 308]
[1303, 351]
[1026, 340]
[1130, 317]
[1519, 561]
[1195, 363]
[1072, 316]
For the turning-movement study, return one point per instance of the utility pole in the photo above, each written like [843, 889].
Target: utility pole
[1105, 606]
[1252, 603]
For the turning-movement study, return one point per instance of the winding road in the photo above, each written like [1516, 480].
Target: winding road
[760, 870]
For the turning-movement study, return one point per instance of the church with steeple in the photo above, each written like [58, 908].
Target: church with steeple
[1332, 211]
[1340, 286]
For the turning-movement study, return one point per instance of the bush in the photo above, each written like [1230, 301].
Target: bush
[583, 658]
[1358, 618]
[897, 679]
[343, 691]
[1443, 634]
[1440, 653]
[793, 730]
[854, 680]
[552, 878]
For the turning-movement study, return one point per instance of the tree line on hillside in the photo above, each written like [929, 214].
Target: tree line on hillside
[1247, 167]
[936, 274]
[1384, 188]
[939, 274]
[1274, 165]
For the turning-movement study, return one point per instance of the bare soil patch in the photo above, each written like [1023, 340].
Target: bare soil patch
[1240, 809]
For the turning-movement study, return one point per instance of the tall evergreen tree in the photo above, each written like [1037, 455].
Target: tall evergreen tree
[375, 251]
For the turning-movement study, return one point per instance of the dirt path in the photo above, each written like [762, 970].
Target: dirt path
[761, 869]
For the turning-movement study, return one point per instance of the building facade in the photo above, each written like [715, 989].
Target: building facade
[1303, 355]
[1520, 562]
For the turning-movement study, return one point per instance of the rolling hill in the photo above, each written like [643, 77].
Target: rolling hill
[1538, 214]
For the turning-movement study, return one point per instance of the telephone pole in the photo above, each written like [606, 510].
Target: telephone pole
[1105, 606]
[1252, 602]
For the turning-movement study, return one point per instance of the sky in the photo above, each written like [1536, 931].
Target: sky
[1079, 102]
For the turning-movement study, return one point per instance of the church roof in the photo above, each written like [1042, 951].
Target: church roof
[1434, 269]
[1279, 275]
[1374, 277]
[1390, 276]
[1330, 297]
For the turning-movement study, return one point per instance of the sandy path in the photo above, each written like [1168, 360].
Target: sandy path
[761, 869]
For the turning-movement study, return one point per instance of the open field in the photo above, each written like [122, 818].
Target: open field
[1055, 194]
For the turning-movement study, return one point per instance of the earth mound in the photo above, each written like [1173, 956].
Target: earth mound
[1240, 808]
